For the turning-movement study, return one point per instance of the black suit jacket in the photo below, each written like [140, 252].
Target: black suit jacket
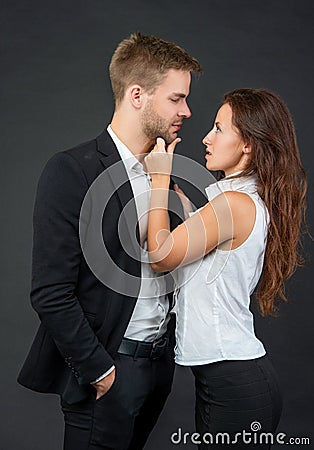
[82, 319]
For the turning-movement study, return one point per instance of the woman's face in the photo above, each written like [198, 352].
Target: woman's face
[225, 149]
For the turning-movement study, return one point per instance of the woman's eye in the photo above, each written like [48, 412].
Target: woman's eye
[217, 129]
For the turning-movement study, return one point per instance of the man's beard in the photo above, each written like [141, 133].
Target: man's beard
[155, 126]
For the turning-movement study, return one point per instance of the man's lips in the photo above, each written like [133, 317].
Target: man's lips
[177, 126]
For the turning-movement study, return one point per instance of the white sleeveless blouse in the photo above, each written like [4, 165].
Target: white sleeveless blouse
[214, 322]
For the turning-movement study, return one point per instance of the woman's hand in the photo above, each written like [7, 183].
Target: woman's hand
[185, 202]
[159, 161]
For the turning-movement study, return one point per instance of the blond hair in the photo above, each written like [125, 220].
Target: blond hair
[145, 60]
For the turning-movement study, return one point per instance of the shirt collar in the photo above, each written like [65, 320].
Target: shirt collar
[130, 161]
[228, 183]
[232, 175]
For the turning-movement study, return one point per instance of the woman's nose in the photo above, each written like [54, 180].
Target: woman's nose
[207, 140]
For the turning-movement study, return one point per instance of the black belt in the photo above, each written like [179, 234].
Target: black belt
[142, 349]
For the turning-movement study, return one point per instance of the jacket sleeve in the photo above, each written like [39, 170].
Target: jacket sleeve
[56, 261]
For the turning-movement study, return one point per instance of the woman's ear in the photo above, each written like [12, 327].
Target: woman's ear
[247, 148]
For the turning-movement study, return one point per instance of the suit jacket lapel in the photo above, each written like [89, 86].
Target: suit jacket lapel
[122, 187]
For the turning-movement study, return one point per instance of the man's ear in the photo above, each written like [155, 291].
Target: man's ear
[136, 96]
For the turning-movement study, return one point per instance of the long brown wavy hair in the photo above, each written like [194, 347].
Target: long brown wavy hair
[263, 121]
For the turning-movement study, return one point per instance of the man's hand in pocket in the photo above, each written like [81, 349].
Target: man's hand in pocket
[103, 386]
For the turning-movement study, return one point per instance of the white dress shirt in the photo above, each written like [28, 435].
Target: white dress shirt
[214, 321]
[150, 316]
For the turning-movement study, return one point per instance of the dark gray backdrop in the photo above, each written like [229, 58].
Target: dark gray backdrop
[55, 93]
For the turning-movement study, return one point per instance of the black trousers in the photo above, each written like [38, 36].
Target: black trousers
[124, 417]
[232, 396]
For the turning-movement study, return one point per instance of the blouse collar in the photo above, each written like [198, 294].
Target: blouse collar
[246, 183]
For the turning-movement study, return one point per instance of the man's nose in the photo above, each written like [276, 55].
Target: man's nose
[185, 112]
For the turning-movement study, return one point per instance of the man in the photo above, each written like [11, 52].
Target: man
[105, 342]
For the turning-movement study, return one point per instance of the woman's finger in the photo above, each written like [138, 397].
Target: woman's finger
[160, 145]
[179, 190]
[172, 146]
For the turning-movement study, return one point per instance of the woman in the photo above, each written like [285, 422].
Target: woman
[244, 240]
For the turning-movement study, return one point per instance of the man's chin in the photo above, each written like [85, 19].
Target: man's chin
[170, 137]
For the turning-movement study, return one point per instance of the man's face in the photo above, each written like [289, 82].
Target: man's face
[166, 108]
